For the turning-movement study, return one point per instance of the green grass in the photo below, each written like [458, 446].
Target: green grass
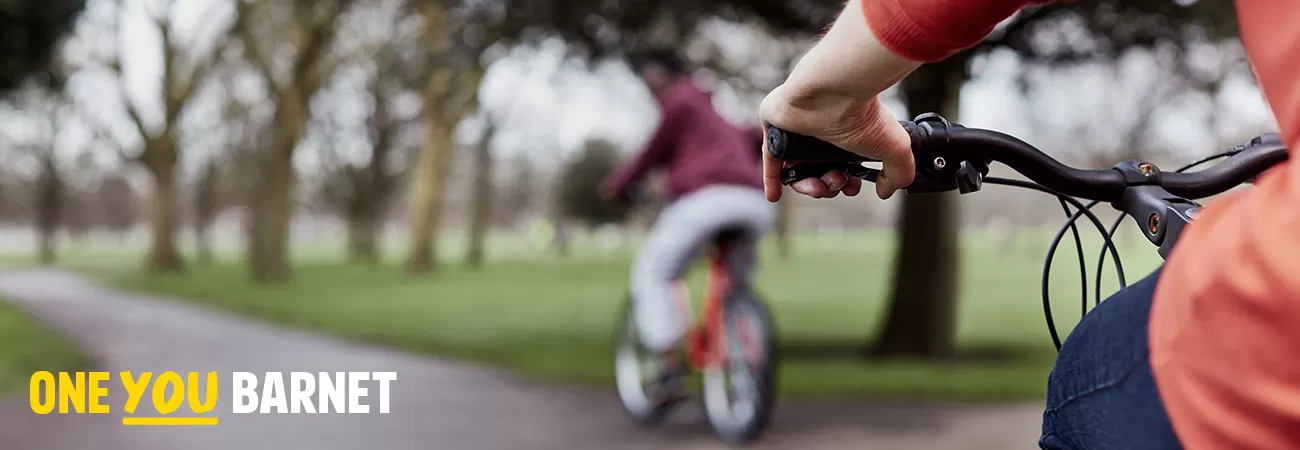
[27, 347]
[553, 319]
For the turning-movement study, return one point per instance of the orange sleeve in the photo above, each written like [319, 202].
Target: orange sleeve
[1225, 322]
[930, 30]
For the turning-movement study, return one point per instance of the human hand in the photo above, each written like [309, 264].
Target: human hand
[863, 127]
[833, 95]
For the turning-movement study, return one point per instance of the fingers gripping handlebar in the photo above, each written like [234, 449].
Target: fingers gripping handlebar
[952, 157]
[940, 167]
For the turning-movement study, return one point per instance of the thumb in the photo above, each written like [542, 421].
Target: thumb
[886, 140]
[897, 174]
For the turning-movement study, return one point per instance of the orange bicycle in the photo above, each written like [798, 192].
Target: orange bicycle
[732, 346]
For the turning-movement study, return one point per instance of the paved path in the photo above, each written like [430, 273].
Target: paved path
[437, 404]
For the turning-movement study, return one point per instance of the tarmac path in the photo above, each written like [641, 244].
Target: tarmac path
[436, 404]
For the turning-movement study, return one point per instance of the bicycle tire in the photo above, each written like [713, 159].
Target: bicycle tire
[641, 409]
[742, 303]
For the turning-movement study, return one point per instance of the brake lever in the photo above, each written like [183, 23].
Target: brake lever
[799, 171]
[968, 178]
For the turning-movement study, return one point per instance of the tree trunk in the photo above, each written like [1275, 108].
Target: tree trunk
[203, 244]
[269, 235]
[49, 208]
[205, 210]
[481, 204]
[428, 182]
[922, 318]
[272, 206]
[164, 220]
[47, 255]
[560, 238]
[363, 242]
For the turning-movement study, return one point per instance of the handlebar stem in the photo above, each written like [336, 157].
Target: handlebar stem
[1160, 214]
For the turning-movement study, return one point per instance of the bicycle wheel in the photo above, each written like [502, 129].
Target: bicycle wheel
[635, 369]
[738, 394]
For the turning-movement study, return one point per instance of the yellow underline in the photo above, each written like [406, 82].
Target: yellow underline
[168, 421]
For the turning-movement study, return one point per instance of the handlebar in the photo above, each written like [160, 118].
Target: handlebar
[952, 157]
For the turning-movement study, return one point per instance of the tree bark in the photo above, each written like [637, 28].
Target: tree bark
[922, 317]
[481, 204]
[164, 220]
[363, 239]
[272, 212]
[49, 207]
[272, 207]
[205, 206]
[203, 244]
[428, 183]
[47, 256]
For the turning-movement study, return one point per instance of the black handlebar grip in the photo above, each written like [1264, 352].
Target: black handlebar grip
[786, 146]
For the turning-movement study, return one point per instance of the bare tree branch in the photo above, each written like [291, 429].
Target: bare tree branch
[101, 132]
[313, 65]
[177, 96]
[257, 54]
[115, 66]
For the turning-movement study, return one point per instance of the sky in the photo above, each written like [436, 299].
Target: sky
[548, 105]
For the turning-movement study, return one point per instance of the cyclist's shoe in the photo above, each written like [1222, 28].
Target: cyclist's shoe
[670, 387]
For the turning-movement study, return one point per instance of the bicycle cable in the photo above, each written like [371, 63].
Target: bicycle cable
[1108, 244]
[1081, 210]
[1104, 184]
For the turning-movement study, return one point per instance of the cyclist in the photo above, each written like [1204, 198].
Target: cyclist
[713, 183]
[1210, 362]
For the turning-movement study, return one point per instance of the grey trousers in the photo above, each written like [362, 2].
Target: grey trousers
[682, 232]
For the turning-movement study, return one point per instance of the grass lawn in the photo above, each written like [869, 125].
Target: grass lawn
[553, 319]
[26, 346]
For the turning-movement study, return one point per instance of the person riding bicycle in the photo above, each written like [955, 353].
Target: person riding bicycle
[1201, 354]
[713, 184]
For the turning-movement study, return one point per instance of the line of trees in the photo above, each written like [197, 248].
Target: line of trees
[275, 65]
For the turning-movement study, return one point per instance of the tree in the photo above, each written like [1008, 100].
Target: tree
[12, 207]
[455, 37]
[922, 316]
[206, 200]
[117, 203]
[484, 189]
[215, 187]
[579, 194]
[185, 67]
[480, 213]
[49, 196]
[38, 150]
[517, 194]
[31, 32]
[28, 54]
[359, 192]
[306, 29]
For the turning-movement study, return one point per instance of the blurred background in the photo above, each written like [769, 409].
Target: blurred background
[422, 175]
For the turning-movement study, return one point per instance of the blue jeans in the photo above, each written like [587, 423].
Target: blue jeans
[1101, 394]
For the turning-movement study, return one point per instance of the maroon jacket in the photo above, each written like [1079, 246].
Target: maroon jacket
[697, 146]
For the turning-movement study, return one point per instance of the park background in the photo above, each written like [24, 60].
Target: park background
[423, 175]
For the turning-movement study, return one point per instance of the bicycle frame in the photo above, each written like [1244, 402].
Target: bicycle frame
[703, 340]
